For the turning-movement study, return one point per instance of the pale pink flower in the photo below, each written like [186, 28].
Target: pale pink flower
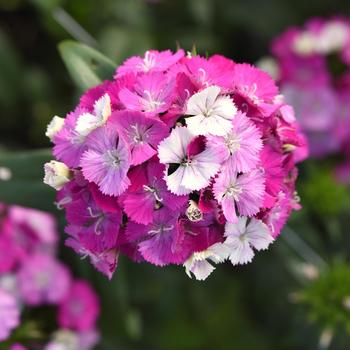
[240, 147]
[245, 236]
[43, 280]
[244, 192]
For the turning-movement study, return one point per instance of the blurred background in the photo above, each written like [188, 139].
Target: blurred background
[292, 297]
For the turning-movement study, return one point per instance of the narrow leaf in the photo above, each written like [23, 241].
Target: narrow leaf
[86, 66]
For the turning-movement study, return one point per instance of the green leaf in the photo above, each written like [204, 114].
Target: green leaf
[26, 187]
[86, 66]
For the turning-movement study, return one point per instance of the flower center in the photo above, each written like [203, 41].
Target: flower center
[234, 191]
[161, 229]
[138, 137]
[99, 220]
[232, 142]
[242, 237]
[150, 102]
[250, 91]
[111, 158]
[187, 161]
[153, 191]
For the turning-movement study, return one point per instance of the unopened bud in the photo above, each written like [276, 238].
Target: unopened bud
[54, 127]
[57, 174]
[193, 212]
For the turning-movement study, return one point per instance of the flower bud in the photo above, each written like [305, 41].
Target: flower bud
[54, 127]
[57, 174]
[193, 212]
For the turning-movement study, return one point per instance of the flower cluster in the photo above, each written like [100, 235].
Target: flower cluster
[31, 277]
[179, 159]
[313, 68]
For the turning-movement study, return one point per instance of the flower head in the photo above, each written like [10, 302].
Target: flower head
[80, 309]
[170, 151]
[43, 280]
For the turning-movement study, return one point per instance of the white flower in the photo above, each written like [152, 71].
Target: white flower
[210, 113]
[270, 66]
[88, 122]
[242, 238]
[333, 37]
[54, 127]
[57, 174]
[193, 172]
[199, 262]
[305, 44]
[5, 174]
[63, 340]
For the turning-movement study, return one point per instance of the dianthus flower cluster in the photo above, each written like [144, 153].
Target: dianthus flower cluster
[32, 278]
[313, 68]
[180, 160]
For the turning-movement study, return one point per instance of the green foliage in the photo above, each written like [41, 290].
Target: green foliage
[321, 192]
[327, 299]
[25, 186]
[86, 66]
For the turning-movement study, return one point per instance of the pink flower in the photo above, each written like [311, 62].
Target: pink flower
[106, 161]
[272, 162]
[9, 314]
[240, 147]
[142, 134]
[148, 192]
[69, 143]
[253, 84]
[243, 236]
[153, 61]
[104, 260]
[246, 192]
[17, 346]
[151, 94]
[158, 240]
[80, 309]
[193, 171]
[43, 280]
[217, 70]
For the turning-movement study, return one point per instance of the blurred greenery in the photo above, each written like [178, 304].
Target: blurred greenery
[250, 307]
